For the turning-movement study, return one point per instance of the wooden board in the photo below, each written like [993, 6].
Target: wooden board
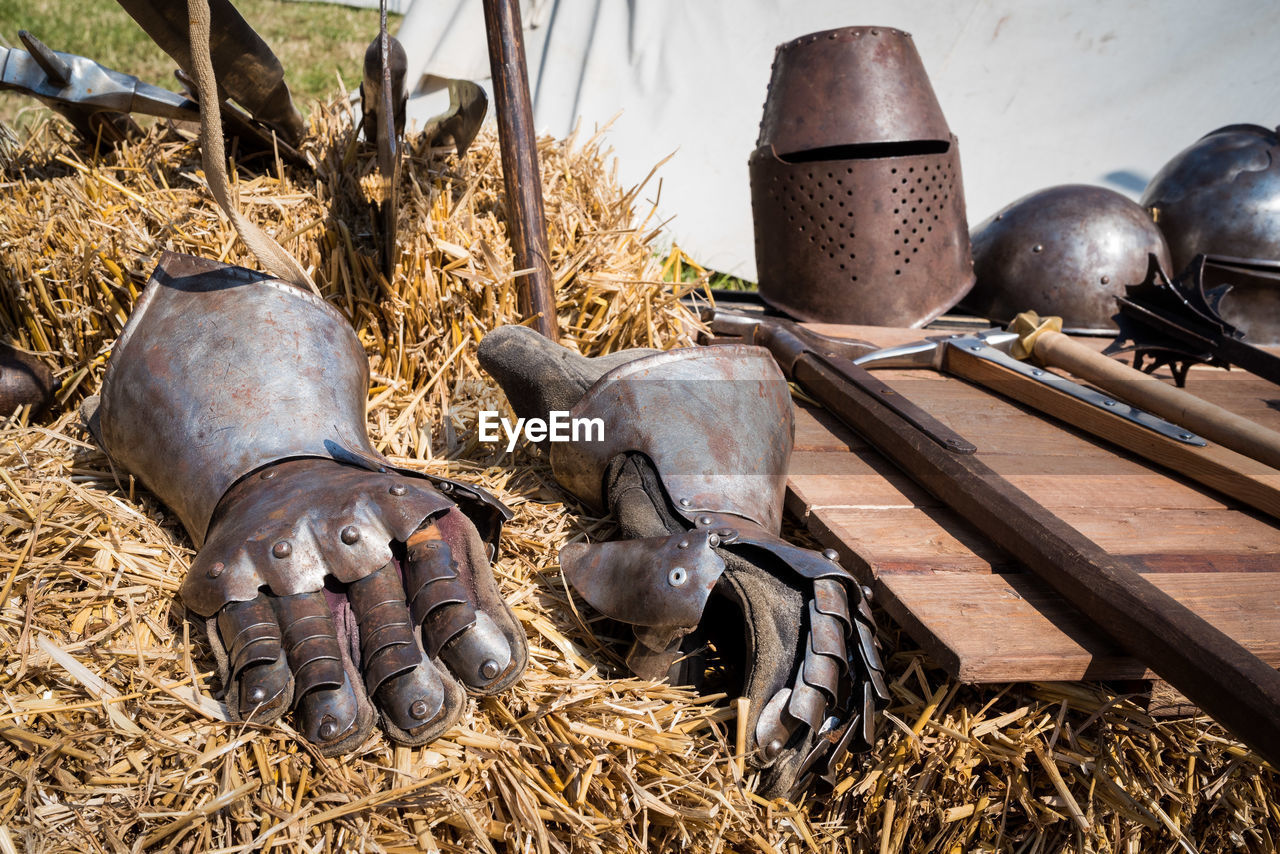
[971, 606]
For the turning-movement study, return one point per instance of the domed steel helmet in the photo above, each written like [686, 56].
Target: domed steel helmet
[855, 184]
[1065, 251]
[1221, 196]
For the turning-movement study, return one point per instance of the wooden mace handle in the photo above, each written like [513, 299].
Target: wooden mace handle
[1146, 392]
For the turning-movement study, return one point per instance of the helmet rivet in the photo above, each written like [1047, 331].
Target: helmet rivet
[216, 569]
[713, 540]
[773, 748]
[867, 593]
[256, 694]
[704, 520]
[684, 502]
[677, 576]
[1108, 403]
[1184, 436]
[350, 535]
[282, 549]
[490, 670]
[830, 554]
[419, 709]
[1039, 247]
[398, 489]
[267, 475]
[683, 544]
[1106, 280]
[328, 728]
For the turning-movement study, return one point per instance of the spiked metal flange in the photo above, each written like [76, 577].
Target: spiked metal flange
[1178, 322]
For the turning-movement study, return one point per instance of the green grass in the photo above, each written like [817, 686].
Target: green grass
[315, 41]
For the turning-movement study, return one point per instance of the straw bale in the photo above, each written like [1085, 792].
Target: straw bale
[112, 737]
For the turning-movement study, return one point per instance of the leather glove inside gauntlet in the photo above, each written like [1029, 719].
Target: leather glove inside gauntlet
[327, 577]
[693, 466]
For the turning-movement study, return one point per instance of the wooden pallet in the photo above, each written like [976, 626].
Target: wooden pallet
[979, 615]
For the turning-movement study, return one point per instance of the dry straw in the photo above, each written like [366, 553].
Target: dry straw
[111, 737]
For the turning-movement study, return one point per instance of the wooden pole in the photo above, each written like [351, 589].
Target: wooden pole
[525, 218]
[1173, 404]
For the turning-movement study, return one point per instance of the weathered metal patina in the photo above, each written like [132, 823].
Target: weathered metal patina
[856, 189]
[702, 510]
[239, 401]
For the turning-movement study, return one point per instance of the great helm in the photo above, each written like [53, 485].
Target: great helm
[856, 191]
[1067, 251]
[1221, 196]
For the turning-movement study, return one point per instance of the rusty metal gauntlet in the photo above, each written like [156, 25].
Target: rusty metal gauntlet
[688, 449]
[329, 580]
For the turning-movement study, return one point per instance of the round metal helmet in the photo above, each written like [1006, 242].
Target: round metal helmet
[1221, 196]
[856, 191]
[1065, 251]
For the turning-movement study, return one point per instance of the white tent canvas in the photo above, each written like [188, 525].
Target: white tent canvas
[1039, 93]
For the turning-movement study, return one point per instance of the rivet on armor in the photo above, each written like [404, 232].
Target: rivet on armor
[727, 532]
[490, 669]
[830, 554]
[684, 502]
[398, 489]
[256, 695]
[444, 486]
[704, 520]
[773, 748]
[1039, 247]
[382, 469]
[683, 544]
[1108, 403]
[328, 728]
[267, 475]
[282, 549]
[350, 535]
[866, 592]
[713, 540]
[1106, 280]
[419, 709]
[216, 569]
[677, 577]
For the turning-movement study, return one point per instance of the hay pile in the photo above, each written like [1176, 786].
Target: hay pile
[111, 738]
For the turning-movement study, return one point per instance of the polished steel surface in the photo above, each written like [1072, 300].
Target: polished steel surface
[1065, 251]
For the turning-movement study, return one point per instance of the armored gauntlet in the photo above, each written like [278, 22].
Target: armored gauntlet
[330, 581]
[692, 461]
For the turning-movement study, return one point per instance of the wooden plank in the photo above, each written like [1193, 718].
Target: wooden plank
[1238, 476]
[1000, 628]
[864, 479]
[935, 576]
[816, 430]
[909, 538]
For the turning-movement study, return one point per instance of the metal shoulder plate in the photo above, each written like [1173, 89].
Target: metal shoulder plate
[716, 422]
